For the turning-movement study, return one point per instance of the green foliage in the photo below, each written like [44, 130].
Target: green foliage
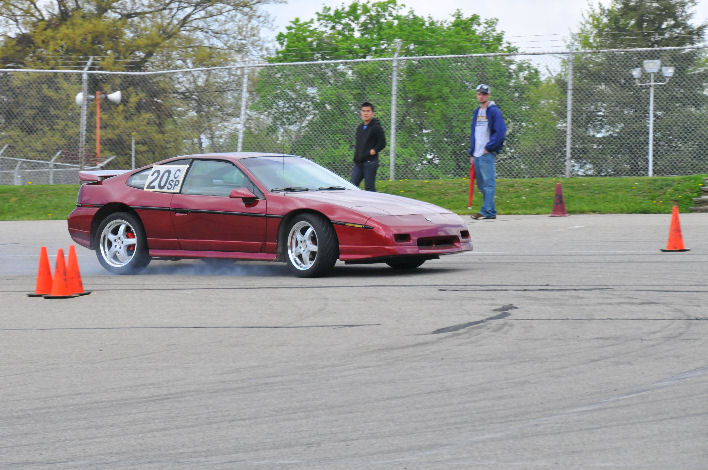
[25, 117]
[166, 113]
[367, 29]
[611, 112]
[127, 35]
[638, 23]
[636, 195]
[539, 135]
[314, 111]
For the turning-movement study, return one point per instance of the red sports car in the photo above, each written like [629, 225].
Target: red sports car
[254, 206]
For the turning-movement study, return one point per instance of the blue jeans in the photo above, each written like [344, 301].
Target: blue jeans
[485, 174]
[367, 172]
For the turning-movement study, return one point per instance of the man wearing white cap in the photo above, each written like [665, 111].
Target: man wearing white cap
[486, 140]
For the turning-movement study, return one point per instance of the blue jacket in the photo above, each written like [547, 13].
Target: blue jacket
[497, 129]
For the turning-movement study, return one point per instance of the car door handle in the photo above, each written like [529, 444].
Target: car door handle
[181, 211]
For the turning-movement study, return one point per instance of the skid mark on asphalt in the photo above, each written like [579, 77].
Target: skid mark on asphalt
[522, 428]
[676, 379]
[192, 286]
[526, 289]
[223, 327]
[504, 312]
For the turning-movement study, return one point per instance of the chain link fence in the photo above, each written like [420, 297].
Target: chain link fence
[573, 113]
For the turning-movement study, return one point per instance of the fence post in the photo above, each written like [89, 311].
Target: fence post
[17, 179]
[569, 115]
[394, 96]
[84, 106]
[132, 150]
[244, 96]
[1, 152]
[51, 167]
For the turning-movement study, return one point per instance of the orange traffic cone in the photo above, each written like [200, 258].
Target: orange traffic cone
[73, 275]
[675, 242]
[60, 288]
[558, 204]
[44, 275]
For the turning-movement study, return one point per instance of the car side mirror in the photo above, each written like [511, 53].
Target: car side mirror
[243, 193]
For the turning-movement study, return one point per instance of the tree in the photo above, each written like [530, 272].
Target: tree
[637, 23]
[366, 30]
[611, 112]
[129, 35]
[122, 35]
[540, 151]
[314, 108]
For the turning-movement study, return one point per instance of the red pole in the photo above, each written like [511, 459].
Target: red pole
[469, 204]
[98, 127]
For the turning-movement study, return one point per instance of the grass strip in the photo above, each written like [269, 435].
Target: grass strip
[627, 195]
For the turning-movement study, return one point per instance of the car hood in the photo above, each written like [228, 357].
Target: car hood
[371, 203]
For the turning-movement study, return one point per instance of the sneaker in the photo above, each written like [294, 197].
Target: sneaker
[479, 216]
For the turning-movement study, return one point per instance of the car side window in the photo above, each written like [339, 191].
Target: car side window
[213, 178]
[138, 179]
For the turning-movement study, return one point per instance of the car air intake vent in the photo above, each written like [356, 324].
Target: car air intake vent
[438, 242]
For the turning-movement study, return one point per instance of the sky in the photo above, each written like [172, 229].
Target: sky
[532, 25]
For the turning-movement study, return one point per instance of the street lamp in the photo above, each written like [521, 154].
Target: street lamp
[651, 67]
[114, 98]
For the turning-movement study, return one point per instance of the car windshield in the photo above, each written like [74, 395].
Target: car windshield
[290, 173]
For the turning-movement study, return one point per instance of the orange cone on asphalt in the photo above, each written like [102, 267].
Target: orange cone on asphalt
[60, 288]
[675, 242]
[558, 204]
[44, 275]
[73, 275]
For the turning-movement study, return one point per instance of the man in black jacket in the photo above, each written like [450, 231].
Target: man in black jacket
[370, 140]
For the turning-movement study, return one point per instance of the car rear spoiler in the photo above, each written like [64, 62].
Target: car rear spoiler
[96, 176]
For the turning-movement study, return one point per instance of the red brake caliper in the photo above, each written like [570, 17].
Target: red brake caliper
[131, 235]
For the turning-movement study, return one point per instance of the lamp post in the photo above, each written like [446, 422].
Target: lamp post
[652, 67]
[114, 98]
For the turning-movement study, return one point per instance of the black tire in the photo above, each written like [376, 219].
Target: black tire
[407, 263]
[311, 246]
[121, 245]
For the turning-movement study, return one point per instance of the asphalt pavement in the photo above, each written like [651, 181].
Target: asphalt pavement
[559, 343]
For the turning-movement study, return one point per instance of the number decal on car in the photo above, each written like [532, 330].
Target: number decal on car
[166, 178]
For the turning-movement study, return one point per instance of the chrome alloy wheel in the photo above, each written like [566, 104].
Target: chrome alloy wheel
[302, 245]
[118, 243]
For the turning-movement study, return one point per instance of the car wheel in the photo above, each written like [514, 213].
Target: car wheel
[122, 246]
[311, 246]
[411, 262]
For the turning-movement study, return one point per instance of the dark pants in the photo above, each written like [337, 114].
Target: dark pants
[367, 172]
